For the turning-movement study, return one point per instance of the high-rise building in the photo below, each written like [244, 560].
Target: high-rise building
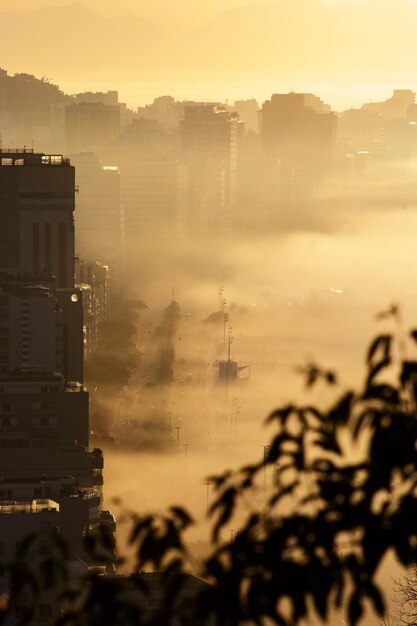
[36, 216]
[91, 125]
[99, 232]
[44, 422]
[30, 327]
[93, 280]
[210, 142]
[294, 131]
[248, 111]
[155, 198]
[299, 131]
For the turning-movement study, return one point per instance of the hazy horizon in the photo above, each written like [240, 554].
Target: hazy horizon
[184, 14]
[343, 56]
[189, 264]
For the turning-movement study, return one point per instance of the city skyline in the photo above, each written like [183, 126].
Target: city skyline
[206, 212]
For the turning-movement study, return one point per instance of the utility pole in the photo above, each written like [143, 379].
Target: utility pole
[178, 428]
[207, 484]
[234, 403]
[229, 343]
[236, 415]
[225, 320]
[266, 450]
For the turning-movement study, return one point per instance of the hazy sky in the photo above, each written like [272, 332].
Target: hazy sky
[177, 15]
[185, 49]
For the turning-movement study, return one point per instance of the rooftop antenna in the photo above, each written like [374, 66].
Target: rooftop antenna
[173, 294]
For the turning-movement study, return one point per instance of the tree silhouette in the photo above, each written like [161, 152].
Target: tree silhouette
[344, 494]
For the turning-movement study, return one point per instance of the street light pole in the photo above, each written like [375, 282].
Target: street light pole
[236, 414]
[207, 484]
[178, 428]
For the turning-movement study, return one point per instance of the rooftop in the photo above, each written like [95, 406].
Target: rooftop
[27, 157]
[31, 506]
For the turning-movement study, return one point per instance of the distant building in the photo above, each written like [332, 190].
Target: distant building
[94, 283]
[91, 125]
[298, 130]
[363, 128]
[400, 137]
[155, 198]
[99, 218]
[98, 97]
[109, 98]
[395, 107]
[210, 143]
[165, 110]
[248, 111]
[295, 130]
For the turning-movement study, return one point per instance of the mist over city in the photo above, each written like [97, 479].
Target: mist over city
[208, 217]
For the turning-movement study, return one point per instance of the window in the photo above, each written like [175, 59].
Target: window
[45, 612]
[21, 548]
[45, 547]
[21, 611]
[7, 161]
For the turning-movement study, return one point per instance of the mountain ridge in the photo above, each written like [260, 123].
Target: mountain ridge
[292, 39]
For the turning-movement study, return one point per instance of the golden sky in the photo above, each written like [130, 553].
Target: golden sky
[175, 15]
[195, 49]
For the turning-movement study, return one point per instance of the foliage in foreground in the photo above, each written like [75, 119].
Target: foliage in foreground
[345, 494]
